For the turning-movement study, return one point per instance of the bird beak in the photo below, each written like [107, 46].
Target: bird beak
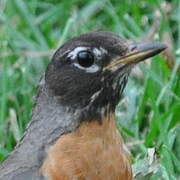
[138, 52]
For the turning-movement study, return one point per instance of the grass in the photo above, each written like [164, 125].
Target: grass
[149, 113]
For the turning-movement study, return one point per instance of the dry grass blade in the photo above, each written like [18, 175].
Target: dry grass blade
[168, 53]
[14, 125]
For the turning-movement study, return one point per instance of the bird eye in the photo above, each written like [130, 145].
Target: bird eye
[85, 58]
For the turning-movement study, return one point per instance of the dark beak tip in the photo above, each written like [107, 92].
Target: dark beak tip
[160, 46]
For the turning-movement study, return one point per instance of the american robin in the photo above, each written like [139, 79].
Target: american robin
[73, 134]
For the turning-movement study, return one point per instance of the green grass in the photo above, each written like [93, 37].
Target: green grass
[149, 113]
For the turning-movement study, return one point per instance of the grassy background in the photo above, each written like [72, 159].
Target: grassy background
[149, 113]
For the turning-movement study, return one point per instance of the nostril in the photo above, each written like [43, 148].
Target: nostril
[133, 47]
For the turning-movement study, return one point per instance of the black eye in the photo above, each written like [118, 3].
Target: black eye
[85, 58]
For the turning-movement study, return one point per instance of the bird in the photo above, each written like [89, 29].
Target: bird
[73, 134]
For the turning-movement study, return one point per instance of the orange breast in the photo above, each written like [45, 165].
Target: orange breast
[93, 152]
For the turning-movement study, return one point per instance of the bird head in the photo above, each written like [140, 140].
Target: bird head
[89, 72]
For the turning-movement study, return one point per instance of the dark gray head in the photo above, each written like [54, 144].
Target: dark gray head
[89, 72]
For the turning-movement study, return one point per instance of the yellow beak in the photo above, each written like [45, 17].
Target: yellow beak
[138, 52]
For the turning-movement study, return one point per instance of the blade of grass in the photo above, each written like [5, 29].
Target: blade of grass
[29, 19]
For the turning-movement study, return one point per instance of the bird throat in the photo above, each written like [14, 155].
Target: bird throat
[92, 151]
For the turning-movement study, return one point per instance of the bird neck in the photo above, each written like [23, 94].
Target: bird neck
[49, 121]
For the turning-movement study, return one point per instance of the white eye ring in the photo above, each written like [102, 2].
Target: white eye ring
[73, 53]
[92, 69]
[97, 52]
